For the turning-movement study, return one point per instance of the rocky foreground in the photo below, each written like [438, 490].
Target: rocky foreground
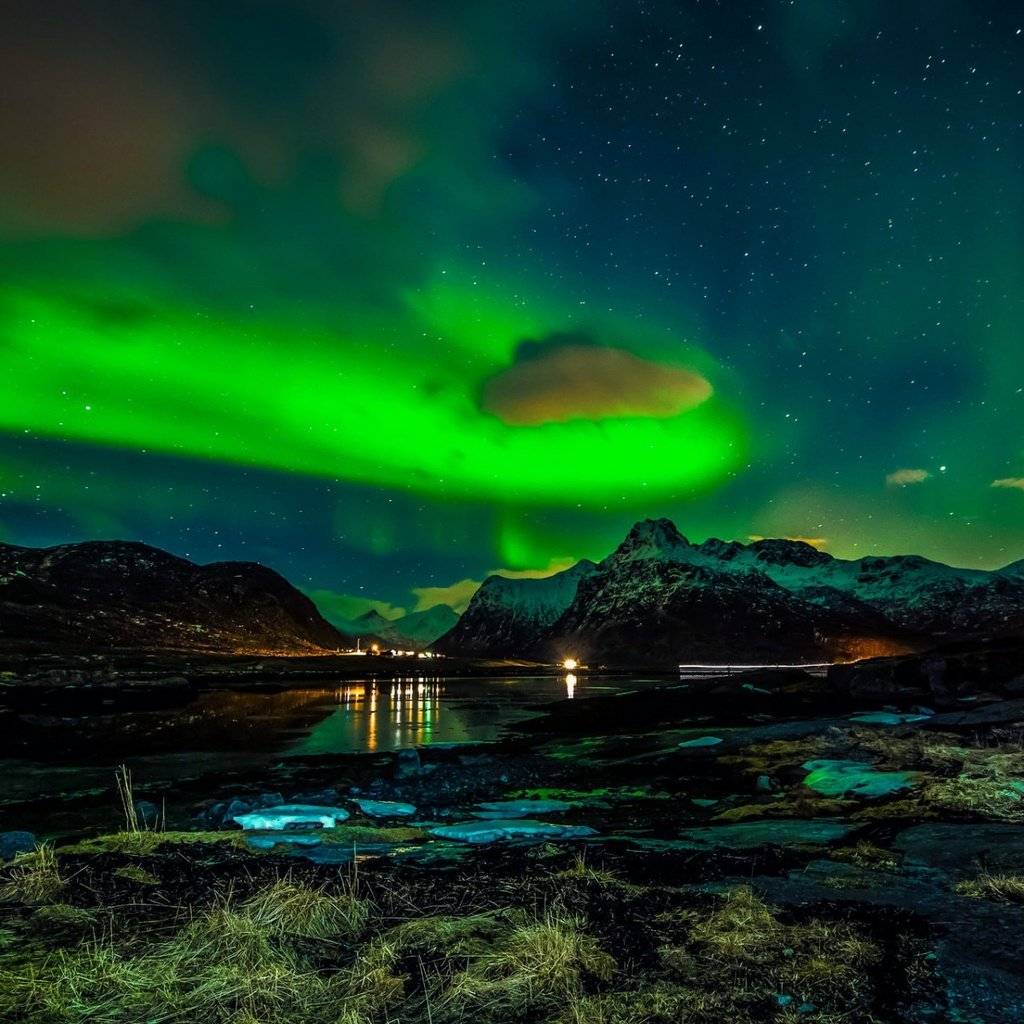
[770, 848]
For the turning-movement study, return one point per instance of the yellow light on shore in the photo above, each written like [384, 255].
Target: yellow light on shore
[569, 664]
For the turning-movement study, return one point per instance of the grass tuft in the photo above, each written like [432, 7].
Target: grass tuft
[1000, 888]
[32, 878]
[291, 909]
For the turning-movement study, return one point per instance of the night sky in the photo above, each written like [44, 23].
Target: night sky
[388, 295]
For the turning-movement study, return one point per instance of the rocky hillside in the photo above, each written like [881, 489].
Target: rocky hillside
[116, 594]
[658, 599]
[506, 616]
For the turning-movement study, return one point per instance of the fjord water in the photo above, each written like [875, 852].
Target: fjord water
[58, 767]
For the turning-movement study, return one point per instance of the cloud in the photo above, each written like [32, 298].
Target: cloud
[1010, 481]
[104, 102]
[344, 608]
[455, 594]
[556, 565]
[902, 477]
[573, 381]
[459, 594]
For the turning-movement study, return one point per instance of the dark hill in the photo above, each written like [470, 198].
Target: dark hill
[123, 595]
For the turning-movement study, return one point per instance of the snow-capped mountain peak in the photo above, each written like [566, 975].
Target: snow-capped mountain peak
[651, 538]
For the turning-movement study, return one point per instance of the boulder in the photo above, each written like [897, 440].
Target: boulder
[407, 765]
[13, 843]
[148, 813]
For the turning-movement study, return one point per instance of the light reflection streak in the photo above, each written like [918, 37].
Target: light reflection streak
[407, 709]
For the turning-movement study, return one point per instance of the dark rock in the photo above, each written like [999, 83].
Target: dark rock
[942, 677]
[268, 800]
[1015, 687]
[328, 796]
[233, 809]
[1000, 712]
[148, 813]
[12, 843]
[959, 850]
[407, 765]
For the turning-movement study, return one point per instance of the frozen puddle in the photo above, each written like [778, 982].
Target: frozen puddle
[503, 829]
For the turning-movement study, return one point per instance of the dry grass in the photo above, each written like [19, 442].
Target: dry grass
[867, 855]
[742, 962]
[581, 870]
[1000, 888]
[773, 755]
[133, 873]
[796, 804]
[987, 781]
[291, 909]
[294, 953]
[32, 878]
[251, 961]
[537, 965]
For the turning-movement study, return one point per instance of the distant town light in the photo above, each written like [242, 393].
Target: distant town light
[569, 664]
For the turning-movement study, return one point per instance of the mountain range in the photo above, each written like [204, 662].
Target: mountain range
[658, 599]
[408, 632]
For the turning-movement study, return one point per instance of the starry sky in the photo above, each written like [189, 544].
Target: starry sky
[390, 294]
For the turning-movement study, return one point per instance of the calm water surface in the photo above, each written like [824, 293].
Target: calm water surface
[56, 763]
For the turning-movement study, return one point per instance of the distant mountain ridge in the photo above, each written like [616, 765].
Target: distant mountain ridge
[412, 631]
[505, 617]
[660, 599]
[121, 594]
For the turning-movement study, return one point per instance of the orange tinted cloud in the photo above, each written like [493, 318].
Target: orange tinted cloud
[585, 382]
[457, 595]
[902, 477]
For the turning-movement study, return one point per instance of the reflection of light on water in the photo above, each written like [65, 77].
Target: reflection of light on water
[570, 685]
[404, 709]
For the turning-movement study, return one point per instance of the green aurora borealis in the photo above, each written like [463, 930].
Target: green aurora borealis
[261, 263]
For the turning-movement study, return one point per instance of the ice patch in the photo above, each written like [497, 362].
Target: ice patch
[520, 808]
[520, 828]
[701, 741]
[886, 718]
[285, 816]
[385, 808]
[837, 778]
